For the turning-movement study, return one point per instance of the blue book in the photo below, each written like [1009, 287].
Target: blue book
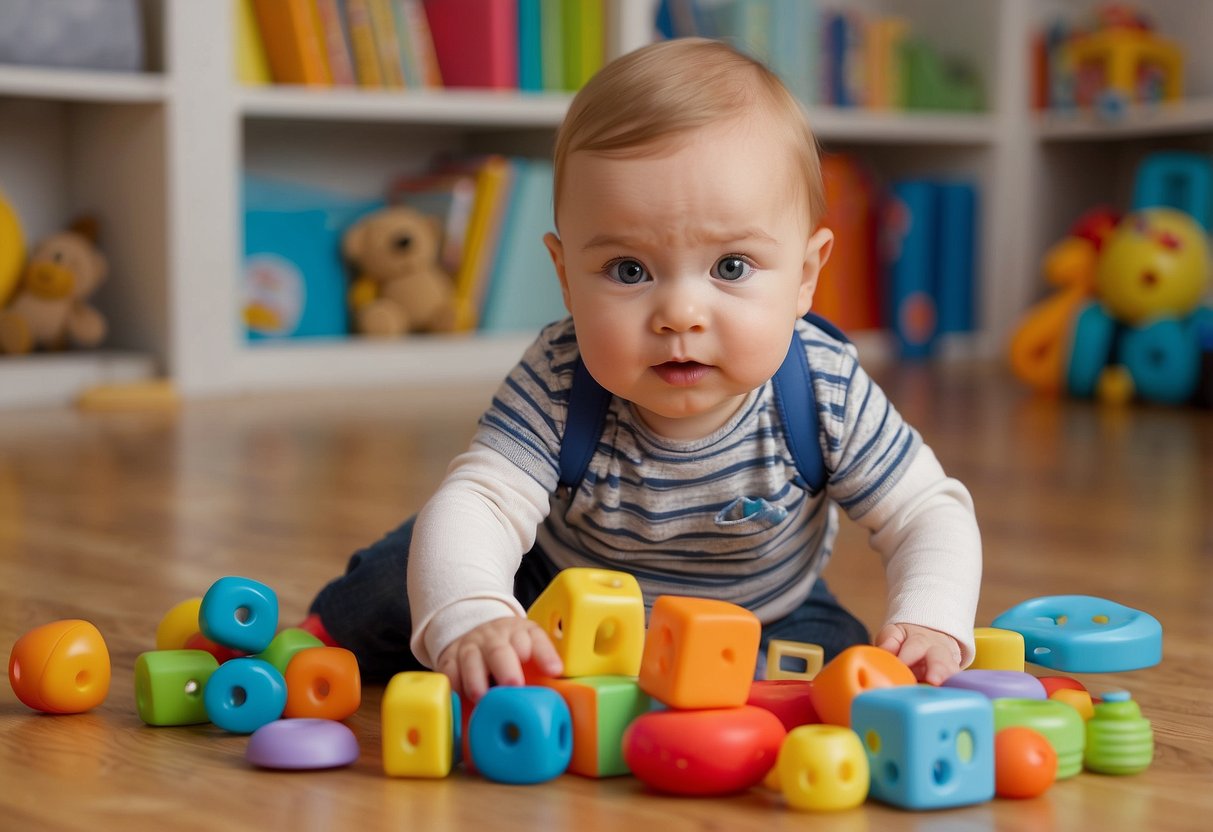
[795, 46]
[912, 290]
[956, 250]
[530, 45]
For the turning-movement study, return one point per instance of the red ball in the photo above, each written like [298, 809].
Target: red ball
[1025, 764]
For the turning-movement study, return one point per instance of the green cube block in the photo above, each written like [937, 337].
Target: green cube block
[285, 645]
[602, 708]
[169, 684]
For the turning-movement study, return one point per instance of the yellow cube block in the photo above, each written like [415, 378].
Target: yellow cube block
[822, 768]
[595, 618]
[998, 649]
[812, 655]
[418, 725]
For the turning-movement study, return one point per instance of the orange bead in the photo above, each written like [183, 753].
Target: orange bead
[850, 673]
[1025, 764]
[61, 668]
[322, 683]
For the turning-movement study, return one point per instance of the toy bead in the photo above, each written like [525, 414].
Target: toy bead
[602, 707]
[789, 699]
[300, 744]
[1025, 765]
[244, 694]
[169, 686]
[286, 645]
[998, 684]
[178, 624]
[595, 619]
[521, 735]
[418, 717]
[1057, 722]
[997, 649]
[323, 683]
[1079, 700]
[61, 668]
[1119, 739]
[850, 673]
[239, 613]
[793, 660]
[823, 768]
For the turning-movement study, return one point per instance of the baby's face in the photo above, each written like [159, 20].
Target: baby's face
[685, 271]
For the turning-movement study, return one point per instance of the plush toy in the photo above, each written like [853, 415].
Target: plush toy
[49, 309]
[398, 286]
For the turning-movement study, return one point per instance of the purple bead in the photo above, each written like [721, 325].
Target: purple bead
[302, 744]
[999, 684]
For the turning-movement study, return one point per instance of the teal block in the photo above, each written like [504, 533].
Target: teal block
[239, 613]
[244, 694]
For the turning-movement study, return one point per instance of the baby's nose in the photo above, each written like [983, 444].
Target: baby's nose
[680, 307]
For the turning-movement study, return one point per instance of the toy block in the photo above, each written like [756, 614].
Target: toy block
[822, 768]
[1057, 722]
[283, 647]
[850, 673]
[418, 725]
[713, 751]
[169, 686]
[700, 653]
[222, 654]
[521, 735]
[595, 619]
[1079, 700]
[789, 699]
[322, 683]
[1084, 634]
[239, 613]
[1119, 739]
[178, 624]
[998, 684]
[1025, 765]
[1052, 684]
[302, 745]
[61, 668]
[793, 660]
[244, 694]
[928, 748]
[997, 649]
[601, 707]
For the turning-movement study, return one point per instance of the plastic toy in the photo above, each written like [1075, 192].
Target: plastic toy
[1052, 684]
[1120, 64]
[1179, 180]
[222, 654]
[601, 708]
[49, 309]
[1084, 634]
[786, 658]
[244, 694]
[12, 249]
[850, 673]
[998, 684]
[1025, 765]
[789, 699]
[521, 735]
[595, 619]
[283, 647]
[822, 768]
[61, 668]
[178, 624]
[927, 747]
[699, 653]
[322, 683]
[239, 613]
[1119, 739]
[169, 686]
[299, 744]
[1057, 722]
[1155, 264]
[998, 649]
[1079, 700]
[418, 723]
[713, 751]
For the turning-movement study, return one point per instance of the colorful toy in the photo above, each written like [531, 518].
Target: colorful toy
[1079, 700]
[222, 654]
[49, 309]
[711, 751]
[169, 686]
[322, 683]
[1025, 765]
[239, 613]
[1119, 739]
[1057, 722]
[178, 624]
[699, 653]
[299, 744]
[12, 249]
[996, 684]
[1123, 64]
[285, 645]
[927, 747]
[793, 660]
[521, 735]
[1084, 634]
[1052, 684]
[418, 723]
[1179, 180]
[61, 668]
[822, 768]
[1154, 265]
[595, 619]
[244, 694]
[998, 649]
[601, 708]
[853, 671]
[789, 699]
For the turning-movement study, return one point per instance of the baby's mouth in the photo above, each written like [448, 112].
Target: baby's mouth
[681, 373]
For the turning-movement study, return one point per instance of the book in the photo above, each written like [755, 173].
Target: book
[252, 66]
[584, 41]
[912, 223]
[294, 41]
[847, 288]
[493, 181]
[792, 40]
[421, 42]
[383, 23]
[530, 45]
[362, 43]
[410, 64]
[551, 44]
[336, 42]
[882, 41]
[449, 198]
[956, 252]
[476, 42]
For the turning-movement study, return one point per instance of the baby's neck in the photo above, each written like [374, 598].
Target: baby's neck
[692, 426]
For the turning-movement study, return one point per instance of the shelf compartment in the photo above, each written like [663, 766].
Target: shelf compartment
[1192, 115]
[55, 379]
[73, 85]
[887, 126]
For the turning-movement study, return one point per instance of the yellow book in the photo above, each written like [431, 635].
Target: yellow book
[383, 21]
[480, 246]
[362, 43]
[252, 67]
[294, 43]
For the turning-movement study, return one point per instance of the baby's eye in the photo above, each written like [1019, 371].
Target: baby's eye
[627, 271]
[732, 268]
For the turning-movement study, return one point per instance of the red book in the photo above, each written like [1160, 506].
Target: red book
[476, 42]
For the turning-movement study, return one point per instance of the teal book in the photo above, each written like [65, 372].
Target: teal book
[530, 45]
[795, 46]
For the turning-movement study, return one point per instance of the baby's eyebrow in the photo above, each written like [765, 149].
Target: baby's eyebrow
[700, 237]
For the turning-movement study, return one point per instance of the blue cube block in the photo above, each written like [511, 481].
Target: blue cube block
[928, 748]
[239, 613]
[244, 694]
[521, 735]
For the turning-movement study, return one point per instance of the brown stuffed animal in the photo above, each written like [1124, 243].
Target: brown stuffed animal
[49, 309]
[399, 286]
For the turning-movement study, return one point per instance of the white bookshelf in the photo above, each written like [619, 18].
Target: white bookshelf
[158, 156]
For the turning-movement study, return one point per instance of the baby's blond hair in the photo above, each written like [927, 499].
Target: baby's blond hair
[675, 86]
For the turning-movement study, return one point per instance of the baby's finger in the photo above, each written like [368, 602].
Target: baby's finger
[890, 638]
[474, 677]
[504, 666]
[450, 669]
[543, 652]
[940, 664]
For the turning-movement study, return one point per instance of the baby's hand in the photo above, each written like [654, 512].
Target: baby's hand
[932, 655]
[497, 648]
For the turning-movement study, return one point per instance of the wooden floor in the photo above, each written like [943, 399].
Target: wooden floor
[114, 518]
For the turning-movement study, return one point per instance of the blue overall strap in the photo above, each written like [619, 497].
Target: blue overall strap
[588, 405]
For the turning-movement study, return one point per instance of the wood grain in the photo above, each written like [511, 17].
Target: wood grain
[116, 517]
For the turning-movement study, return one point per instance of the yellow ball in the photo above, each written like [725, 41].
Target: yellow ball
[1155, 264]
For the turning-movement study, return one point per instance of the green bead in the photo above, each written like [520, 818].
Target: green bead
[285, 645]
[620, 700]
[1119, 739]
[1056, 721]
[169, 684]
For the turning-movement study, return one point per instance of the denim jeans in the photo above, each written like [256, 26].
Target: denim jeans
[366, 610]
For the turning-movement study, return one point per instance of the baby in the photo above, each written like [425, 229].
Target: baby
[687, 197]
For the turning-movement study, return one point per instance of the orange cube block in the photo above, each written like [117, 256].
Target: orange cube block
[700, 653]
[322, 683]
[850, 673]
[61, 668]
[602, 707]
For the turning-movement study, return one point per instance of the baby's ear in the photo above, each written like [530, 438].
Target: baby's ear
[556, 250]
[816, 253]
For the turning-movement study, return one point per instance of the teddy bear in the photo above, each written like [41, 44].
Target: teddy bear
[399, 286]
[49, 309]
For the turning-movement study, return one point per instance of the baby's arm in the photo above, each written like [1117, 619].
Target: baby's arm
[497, 649]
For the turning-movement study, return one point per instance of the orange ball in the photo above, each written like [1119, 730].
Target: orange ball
[61, 668]
[1025, 764]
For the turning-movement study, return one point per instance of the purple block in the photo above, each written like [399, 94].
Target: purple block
[302, 744]
[999, 684]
